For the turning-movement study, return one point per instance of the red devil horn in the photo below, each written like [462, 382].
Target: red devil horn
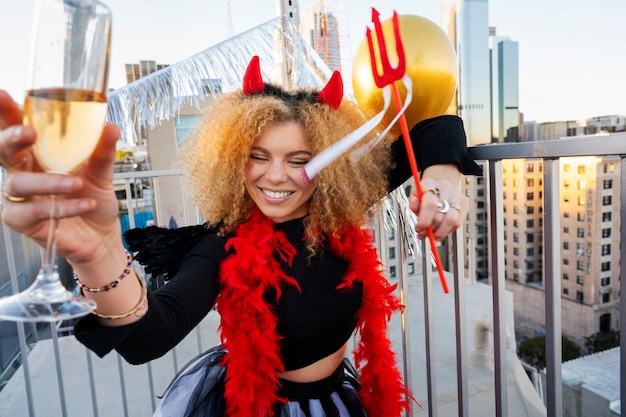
[252, 79]
[332, 93]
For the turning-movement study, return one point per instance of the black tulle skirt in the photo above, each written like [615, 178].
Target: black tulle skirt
[198, 391]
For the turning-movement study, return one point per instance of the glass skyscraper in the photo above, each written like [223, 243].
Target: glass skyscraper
[466, 23]
[505, 90]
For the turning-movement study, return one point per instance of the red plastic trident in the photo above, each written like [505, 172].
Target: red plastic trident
[389, 77]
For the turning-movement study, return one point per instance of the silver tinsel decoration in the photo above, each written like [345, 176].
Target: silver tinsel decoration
[285, 59]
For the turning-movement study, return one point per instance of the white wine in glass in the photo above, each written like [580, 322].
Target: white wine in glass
[66, 105]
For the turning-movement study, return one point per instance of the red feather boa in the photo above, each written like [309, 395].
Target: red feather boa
[248, 324]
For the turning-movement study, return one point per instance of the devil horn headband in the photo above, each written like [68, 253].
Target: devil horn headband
[331, 94]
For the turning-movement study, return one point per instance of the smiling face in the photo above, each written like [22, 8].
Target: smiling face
[274, 172]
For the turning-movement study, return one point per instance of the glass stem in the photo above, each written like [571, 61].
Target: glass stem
[50, 256]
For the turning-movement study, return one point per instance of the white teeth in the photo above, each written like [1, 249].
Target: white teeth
[274, 194]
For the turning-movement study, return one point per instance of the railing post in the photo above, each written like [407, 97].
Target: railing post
[622, 301]
[496, 255]
[460, 324]
[552, 286]
[429, 337]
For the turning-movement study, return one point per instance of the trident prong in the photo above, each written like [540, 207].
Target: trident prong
[389, 74]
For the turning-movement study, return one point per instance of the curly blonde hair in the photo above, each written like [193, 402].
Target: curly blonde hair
[214, 158]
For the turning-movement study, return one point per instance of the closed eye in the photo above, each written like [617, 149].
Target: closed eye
[259, 158]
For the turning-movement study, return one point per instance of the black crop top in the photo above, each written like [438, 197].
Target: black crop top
[314, 323]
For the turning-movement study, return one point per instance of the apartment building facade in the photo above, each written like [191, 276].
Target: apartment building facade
[589, 244]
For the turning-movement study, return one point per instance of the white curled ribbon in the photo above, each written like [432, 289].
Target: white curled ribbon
[328, 155]
[360, 152]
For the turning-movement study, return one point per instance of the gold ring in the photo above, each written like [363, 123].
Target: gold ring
[456, 206]
[11, 198]
[435, 191]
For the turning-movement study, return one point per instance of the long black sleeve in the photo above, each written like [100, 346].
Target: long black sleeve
[174, 309]
[439, 140]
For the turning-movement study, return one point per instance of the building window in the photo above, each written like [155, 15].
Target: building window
[530, 210]
[580, 248]
[580, 232]
[579, 296]
[530, 196]
[605, 281]
[516, 251]
[581, 217]
[392, 272]
[606, 297]
[566, 276]
[607, 200]
[606, 266]
[530, 182]
[411, 268]
[565, 167]
[580, 280]
[606, 216]
[565, 245]
[606, 184]
[566, 229]
[530, 252]
[530, 223]
[480, 192]
[606, 232]
[515, 264]
[515, 210]
[582, 185]
[582, 200]
[530, 167]
[392, 253]
[581, 169]
[565, 183]
[606, 249]
[530, 238]
[565, 291]
[565, 261]
[391, 234]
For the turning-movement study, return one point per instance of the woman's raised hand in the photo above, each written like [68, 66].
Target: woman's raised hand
[87, 203]
[443, 206]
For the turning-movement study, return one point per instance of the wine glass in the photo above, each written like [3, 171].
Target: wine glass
[65, 103]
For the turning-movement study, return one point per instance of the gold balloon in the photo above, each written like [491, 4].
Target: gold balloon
[430, 63]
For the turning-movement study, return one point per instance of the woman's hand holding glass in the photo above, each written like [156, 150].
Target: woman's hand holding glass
[89, 208]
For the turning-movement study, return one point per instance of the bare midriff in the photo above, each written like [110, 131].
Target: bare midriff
[317, 370]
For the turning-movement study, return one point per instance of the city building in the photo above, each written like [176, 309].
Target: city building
[591, 385]
[505, 115]
[143, 68]
[320, 29]
[466, 23]
[589, 201]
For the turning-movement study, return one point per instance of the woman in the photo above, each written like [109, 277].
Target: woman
[287, 260]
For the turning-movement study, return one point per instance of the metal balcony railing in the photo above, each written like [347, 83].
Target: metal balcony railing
[54, 376]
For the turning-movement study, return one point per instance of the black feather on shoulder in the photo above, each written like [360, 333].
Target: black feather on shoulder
[160, 249]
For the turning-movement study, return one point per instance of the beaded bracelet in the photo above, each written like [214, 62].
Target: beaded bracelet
[140, 306]
[112, 284]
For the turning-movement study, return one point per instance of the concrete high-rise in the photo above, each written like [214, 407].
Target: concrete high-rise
[466, 23]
